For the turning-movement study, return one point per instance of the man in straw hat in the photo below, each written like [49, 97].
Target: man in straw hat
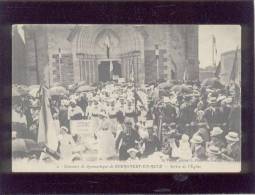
[128, 138]
[198, 150]
[232, 149]
[217, 138]
[213, 154]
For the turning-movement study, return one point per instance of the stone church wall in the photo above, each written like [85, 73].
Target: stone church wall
[178, 51]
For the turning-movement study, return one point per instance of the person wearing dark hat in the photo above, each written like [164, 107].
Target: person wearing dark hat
[128, 138]
[169, 111]
[203, 132]
[186, 114]
[209, 113]
[63, 116]
[233, 150]
[74, 111]
[82, 102]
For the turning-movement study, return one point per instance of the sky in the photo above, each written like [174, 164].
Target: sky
[228, 37]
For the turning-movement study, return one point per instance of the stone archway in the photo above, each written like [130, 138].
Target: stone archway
[126, 47]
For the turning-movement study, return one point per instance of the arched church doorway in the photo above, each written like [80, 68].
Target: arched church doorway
[104, 71]
[108, 70]
[112, 51]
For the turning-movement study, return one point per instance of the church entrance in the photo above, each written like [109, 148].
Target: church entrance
[106, 72]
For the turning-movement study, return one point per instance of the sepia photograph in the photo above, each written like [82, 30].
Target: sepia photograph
[126, 98]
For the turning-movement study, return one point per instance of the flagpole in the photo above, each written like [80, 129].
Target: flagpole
[157, 60]
[213, 45]
[59, 65]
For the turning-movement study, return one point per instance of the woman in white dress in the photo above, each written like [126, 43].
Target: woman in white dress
[66, 144]
[106, 142]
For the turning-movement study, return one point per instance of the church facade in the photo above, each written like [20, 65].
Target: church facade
[92, 53]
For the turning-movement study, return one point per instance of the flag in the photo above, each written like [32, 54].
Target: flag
[47, 131]
[111, 66]
[185, 74]
[214, 50]
[218, 70]
[131, 70]
[107, 44]
[140, 97]
[233, 73]
[21, 32]
[111, 69]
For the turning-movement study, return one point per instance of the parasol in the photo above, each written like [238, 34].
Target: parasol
[85, 88]
[58, 91]
[165, 85]
[212, 83]
[182, 88]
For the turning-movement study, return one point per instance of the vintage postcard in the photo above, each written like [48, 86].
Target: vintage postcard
[126, 98]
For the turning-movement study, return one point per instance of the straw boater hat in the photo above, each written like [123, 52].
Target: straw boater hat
[213, 150]
[132, 150]
[221, 98]
[212, 100]
[216, 131]
[232, 136]
[196, 139]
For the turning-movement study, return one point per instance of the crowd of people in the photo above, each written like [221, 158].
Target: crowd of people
[174, 121]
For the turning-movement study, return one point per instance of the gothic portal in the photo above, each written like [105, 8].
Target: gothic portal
[93, 53]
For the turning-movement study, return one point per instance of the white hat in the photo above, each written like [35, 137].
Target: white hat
[212, 100]
[229, 100]
[220, 98]
[132, 150]
[232, 136]
[196, 139]
[167, 99]
[213, 149]
[216, 131]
